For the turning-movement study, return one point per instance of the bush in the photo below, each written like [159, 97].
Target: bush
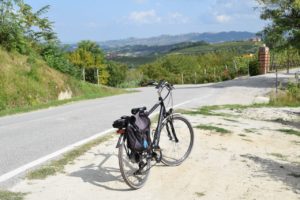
[117, 74]
[254, 68]
[287, 97]
[55, 58]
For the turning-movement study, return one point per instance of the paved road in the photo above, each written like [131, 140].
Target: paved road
[27, 137]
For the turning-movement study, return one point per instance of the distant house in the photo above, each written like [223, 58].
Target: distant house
[255, 39]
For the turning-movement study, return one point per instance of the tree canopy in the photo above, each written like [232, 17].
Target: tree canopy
[284, 29]
[21, 28]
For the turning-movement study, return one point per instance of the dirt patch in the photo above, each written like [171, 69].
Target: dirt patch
[255, 161]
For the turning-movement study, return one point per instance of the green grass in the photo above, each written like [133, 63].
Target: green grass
[54, 103]
[199, 194]
[213, 128]
[210, 110]
[290, 96]
[289, 131]
[57, 166]
[27, 83]
[7, 195]
[279, 155]
[250, 130]
[230, 120]
[205, 110]
[243, 46]
[248, 140]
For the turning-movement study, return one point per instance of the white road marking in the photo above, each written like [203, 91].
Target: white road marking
[39, 161]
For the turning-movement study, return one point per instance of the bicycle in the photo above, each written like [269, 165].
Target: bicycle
[171, 141]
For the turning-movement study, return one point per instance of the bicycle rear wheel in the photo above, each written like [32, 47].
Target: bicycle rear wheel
[129, 168]
[175, 152]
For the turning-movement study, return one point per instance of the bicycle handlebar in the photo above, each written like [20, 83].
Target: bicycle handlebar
[161, 84]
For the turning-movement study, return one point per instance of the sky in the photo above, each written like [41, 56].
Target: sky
[102, 20]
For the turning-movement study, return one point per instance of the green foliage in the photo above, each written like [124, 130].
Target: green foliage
[254, 68]
[203, 68]
[285, 58]
[117, 73]
[284, 29]
[27, 82]
[56, 58]
[21, 28]
[89, 55]
[239, 47]
[289, 96]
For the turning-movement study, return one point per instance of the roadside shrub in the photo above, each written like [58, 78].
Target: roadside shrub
[287, 97]
[254, 68]
[294, 91]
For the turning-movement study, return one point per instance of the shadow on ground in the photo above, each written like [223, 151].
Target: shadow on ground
[294, 124]
[100, 175]
[288, 173]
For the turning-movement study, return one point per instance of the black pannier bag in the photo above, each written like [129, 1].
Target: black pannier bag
[138, 132]
[120, 123]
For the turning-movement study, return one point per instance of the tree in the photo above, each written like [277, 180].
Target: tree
[117, 73]
[89, 55]
[284, 29]
[21, 28]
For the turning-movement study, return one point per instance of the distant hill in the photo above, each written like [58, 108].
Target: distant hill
[145, 50]
[137, 55]
[174, 39]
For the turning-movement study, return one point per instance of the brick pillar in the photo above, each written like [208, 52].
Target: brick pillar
[264, 59]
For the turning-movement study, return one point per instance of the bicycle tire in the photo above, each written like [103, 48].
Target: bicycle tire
[185, 139]
[128, 174]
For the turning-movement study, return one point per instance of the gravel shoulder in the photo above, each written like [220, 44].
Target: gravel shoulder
[254, 161]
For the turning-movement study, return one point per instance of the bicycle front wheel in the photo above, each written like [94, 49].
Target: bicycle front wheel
[176, 140]
[133, 175]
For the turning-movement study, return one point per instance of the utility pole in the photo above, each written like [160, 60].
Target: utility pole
[83, 74]
[98, 78]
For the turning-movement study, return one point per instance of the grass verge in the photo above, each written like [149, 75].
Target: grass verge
[57, 166]
[279, 155]
[55, 103]
[213, 128]
[199, 194]
[7, 195]
[250, 130]
[289, 131]
[211, 110]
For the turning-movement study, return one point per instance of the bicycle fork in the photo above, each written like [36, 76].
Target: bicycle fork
[172, 131]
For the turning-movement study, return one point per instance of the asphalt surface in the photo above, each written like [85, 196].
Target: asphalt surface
[30, 136]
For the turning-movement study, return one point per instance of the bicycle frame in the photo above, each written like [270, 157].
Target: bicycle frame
[161, 117]
[163, 114]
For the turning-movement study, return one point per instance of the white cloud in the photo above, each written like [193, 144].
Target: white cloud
[177, 18]
[222, 18]
[144, 17]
